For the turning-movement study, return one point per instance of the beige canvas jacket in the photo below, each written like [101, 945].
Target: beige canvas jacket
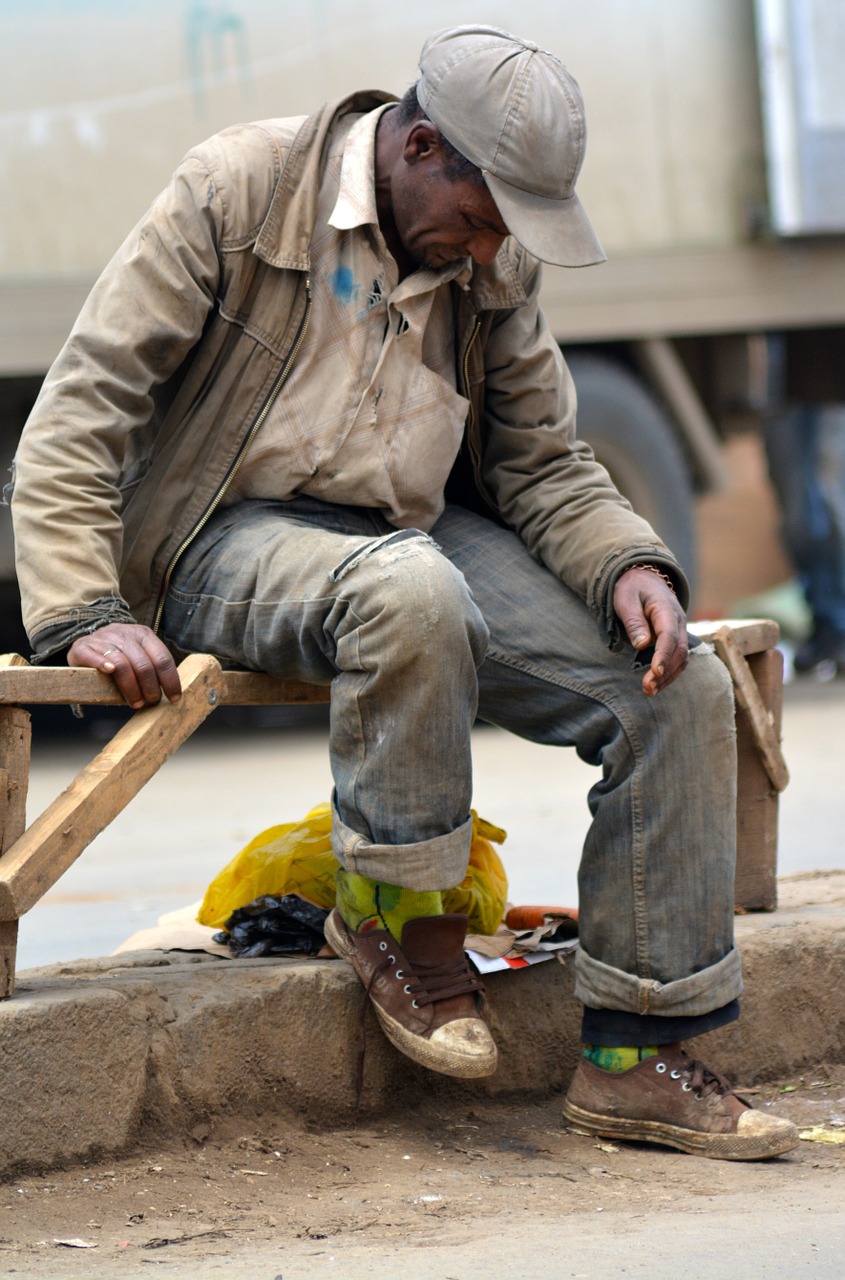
[187, 338]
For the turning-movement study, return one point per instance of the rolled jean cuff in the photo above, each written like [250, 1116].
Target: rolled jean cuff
[438, 863]
[600, 986]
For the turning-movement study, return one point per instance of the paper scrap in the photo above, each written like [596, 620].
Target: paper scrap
[821, 1133]
[490, 964]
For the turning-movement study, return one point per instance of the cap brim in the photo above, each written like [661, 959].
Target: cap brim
[555, 231]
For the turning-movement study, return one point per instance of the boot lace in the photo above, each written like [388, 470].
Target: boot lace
[704, 1081]
[443, 981]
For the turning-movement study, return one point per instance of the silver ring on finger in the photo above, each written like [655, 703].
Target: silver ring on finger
[114, 649]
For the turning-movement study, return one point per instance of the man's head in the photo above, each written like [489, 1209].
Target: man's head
[514, 115]
[440, 205]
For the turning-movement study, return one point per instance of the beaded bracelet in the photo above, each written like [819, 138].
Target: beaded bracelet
[652, 568]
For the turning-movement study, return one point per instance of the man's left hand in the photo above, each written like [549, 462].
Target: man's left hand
[649, 610]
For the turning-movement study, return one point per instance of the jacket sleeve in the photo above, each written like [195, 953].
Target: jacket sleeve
[545, 481]
[140, 321]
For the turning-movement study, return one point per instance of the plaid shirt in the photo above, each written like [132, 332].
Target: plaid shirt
[370, 415]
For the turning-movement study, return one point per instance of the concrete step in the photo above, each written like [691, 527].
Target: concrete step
[98, 1052]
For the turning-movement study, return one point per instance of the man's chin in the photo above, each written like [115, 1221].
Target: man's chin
[434, 259]
[437, 261]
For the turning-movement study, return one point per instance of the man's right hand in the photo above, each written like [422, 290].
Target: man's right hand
[141, 666]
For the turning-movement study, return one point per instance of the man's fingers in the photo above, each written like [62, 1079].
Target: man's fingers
[158, 660]
[638, 630]
[668, 630]
[116, 660]
[671, 657]
[671, 653]
[650, 613]
[140, 665]
[135, 674]
[635, 590]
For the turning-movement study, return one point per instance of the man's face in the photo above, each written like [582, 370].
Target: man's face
[440, 219]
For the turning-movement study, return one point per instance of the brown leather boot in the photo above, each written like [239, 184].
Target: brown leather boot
[424, 992]
[674, 1100]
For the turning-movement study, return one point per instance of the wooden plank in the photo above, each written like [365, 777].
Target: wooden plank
[15, 741]
[747, 647]
[252, 689]
[34, 863]
[8, 957]
[748, 697]
[12, 660]
[757, 799]
[751, 635]
[34, 686]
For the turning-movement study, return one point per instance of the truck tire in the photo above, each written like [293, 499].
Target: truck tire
[632, 437]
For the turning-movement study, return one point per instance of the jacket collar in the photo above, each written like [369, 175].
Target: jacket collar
[496, 286]
[285, 236]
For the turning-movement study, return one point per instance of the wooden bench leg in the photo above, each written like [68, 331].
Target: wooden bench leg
[34, 861]
[8, 957]
[15, 740]
[747, 648]
[757, 796]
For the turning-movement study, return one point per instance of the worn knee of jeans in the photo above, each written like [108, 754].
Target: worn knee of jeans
[710, 695]
[408, 640]
[699, 730]
[411, 604]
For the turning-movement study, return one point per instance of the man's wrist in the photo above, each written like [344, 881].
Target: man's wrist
[652, 568]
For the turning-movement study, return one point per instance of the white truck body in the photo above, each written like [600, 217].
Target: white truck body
[99, 99]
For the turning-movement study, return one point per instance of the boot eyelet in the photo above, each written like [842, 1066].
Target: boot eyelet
[382, 946]
[687, 1088]
[660, 1066]
[407, 991]
[674, 1075]
[399, 974]
[391, 959]
[414, 1004]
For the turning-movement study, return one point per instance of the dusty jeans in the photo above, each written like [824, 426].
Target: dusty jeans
[417, 635]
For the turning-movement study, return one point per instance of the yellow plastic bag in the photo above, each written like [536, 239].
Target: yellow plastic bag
[297, 857]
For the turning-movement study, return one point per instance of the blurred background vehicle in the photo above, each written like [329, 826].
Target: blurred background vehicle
[714, 175]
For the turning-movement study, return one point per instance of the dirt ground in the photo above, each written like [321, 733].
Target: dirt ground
[280, 1190]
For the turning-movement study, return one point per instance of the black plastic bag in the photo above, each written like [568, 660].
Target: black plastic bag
[275, 926]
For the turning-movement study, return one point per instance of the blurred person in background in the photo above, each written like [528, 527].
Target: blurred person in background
[805, 448]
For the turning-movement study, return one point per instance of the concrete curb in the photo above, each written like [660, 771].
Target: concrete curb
[98, 1052]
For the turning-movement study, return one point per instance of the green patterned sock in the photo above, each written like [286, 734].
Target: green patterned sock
[618, 1057]
[371, 904]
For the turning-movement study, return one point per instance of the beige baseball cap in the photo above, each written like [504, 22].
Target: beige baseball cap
[515, 111]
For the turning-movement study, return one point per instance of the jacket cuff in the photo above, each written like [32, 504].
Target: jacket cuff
[611, 629]
[56, 639]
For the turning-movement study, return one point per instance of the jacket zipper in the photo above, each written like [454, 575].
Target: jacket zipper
[474, 452]
[233, 470]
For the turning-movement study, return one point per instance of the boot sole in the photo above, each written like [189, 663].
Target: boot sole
[435, 1057]
[417, 1048]
[715, 1146]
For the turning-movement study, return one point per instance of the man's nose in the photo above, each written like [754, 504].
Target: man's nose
[483, 246]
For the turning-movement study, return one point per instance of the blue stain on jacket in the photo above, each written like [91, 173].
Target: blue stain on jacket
[343, 284]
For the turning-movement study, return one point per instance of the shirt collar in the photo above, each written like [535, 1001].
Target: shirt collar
[356, 198]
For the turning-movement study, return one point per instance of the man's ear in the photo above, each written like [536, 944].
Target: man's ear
[422, 142]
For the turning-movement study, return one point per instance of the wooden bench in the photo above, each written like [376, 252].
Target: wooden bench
[33, 858]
